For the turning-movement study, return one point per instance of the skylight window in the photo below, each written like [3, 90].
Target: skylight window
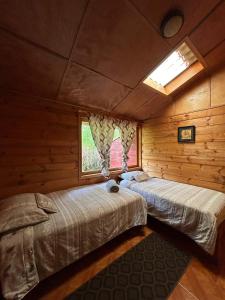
[174, 65]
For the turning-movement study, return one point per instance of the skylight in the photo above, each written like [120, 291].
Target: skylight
[175, 64]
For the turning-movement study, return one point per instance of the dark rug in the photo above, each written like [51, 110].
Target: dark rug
[150, 270]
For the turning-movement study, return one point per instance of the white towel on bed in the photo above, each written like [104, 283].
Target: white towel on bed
[112, 186]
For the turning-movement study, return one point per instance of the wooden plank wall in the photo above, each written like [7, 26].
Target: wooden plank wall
[202, 163]
[38, 146]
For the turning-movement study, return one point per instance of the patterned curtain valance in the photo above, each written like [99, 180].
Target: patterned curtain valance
[102, 129]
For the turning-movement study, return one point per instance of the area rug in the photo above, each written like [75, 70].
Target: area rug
[150, 270]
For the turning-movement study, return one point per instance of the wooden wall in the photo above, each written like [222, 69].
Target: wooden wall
[38, 146]
[202, 163]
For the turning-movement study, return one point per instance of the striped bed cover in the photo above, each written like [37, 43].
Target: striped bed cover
[87, 218]
[193, 210]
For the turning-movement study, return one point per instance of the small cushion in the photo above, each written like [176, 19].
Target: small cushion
[130, 175]
[141, 177]
[126, 183]
[20, 211]
[45, 203]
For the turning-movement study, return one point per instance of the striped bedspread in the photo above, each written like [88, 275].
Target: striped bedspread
[87, 218]
[193, 210]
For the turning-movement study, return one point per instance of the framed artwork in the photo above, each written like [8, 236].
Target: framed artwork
[186, 134]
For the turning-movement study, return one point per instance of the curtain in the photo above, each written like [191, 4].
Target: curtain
[127, 133]
[102, 129]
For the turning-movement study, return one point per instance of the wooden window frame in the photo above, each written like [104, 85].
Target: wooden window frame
[113, 171]
[183, 78]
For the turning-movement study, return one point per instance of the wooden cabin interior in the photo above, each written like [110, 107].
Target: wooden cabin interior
[117, 108]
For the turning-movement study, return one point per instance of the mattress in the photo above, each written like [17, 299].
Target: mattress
[86, 219]
[193, 210]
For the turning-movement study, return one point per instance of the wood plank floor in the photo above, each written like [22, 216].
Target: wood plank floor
[201, 280]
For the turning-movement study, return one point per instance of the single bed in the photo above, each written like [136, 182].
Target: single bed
[86, 219]
[195, 211]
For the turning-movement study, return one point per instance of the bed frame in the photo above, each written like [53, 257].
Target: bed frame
[219, 255]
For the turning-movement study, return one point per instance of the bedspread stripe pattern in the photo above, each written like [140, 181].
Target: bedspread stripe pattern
[86, 219]
[193, 210]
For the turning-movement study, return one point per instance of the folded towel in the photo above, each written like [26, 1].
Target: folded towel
[112, 186]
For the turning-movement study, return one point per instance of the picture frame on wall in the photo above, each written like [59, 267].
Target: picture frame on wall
[186, 134]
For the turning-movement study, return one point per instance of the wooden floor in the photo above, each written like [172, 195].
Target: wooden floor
[201, 280]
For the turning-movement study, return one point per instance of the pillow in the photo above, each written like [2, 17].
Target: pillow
[130, 175]
[45, 203]
[126, 183]
[20, 211]
[141, 177]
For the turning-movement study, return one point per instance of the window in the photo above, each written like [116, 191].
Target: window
[91, 158]
[179, 61]
[117, 150]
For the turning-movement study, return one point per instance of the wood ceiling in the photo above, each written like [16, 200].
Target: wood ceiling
[96, 53]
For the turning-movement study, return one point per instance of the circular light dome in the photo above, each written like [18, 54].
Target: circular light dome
[172, 24]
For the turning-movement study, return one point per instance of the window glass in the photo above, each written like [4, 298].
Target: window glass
[178, 61]
[91, 158]
[90, 155]
[116, 152]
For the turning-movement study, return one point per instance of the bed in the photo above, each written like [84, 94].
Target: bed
[197, 212]
[86, 218]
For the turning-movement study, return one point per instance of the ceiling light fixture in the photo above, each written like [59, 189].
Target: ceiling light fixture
[172, 23]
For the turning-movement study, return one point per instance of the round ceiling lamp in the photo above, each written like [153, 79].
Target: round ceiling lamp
[172, 24]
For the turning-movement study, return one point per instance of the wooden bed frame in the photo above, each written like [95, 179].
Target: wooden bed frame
[219, 255]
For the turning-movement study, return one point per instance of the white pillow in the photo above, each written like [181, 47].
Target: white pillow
[130, 175]
[126, 183]
[141, 177]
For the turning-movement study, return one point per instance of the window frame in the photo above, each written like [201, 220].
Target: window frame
[183, 78]
[97, 173]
